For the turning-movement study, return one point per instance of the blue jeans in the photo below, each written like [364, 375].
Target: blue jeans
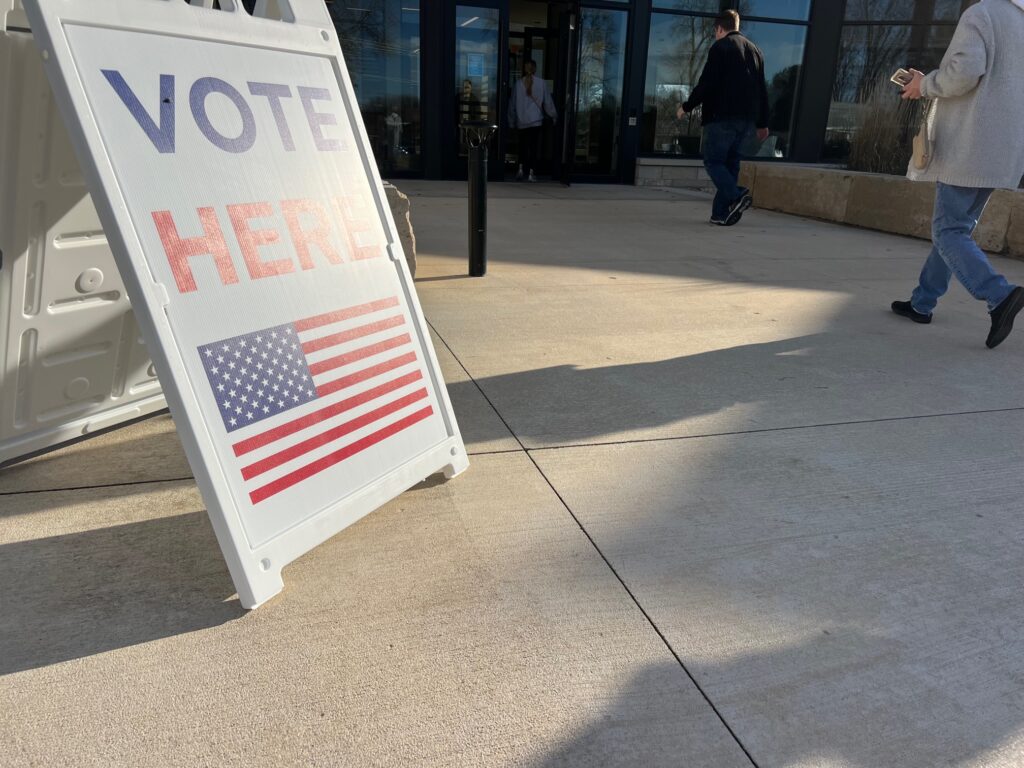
[957, 211]
[723, 146]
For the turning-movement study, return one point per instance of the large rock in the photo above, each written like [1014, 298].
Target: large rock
[400, 211]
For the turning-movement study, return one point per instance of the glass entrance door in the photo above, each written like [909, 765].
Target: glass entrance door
[599, 92]
[479, 78]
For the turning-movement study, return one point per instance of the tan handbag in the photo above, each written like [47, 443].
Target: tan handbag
[924, 143]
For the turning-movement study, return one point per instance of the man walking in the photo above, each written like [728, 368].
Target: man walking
[978, 147]
[734, 96]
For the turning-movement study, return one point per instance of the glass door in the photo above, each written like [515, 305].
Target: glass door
[599, 99]
[479, 80]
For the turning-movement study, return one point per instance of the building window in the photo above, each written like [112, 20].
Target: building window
[676, 54]
[675, 57]
[879, 37]
[904, 10]
[783, 48]
[695, 6]
[381, 43]
[797, 10]
[600, 83]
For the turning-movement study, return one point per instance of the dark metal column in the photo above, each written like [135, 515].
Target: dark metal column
[811, 119]
[633, 99]
[433, 95]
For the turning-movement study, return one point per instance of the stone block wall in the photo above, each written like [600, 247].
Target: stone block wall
[874, 201]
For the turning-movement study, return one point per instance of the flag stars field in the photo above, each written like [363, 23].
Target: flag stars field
[360, 371]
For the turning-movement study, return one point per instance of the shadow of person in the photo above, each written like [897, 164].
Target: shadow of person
[657, 719]
[73, 595]
[567, 404]
[840, 697]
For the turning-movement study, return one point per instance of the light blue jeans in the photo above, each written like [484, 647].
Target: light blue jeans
[954, 252]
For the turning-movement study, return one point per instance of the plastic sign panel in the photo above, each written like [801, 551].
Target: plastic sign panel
[71, 360]
[231, 170]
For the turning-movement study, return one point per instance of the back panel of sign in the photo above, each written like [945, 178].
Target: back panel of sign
[71, 358]
[232, 172]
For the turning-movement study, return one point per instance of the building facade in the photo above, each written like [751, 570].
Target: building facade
[617, 69]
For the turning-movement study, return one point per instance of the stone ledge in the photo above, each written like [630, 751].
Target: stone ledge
[1015, 229]
[875, 201]
[682, 173]
[812, 192]
[671, 162]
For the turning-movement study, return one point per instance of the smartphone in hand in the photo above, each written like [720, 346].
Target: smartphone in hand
[902, 78]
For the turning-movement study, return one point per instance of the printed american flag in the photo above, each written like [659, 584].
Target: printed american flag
[291, 390]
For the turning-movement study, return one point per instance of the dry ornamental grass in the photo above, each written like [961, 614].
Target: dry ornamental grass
[885, 128]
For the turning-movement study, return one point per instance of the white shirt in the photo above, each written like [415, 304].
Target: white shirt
[528, 109]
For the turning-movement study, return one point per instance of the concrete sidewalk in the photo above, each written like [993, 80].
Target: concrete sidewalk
[724, 509]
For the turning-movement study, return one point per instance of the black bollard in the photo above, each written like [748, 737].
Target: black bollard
[478, 211]
[477, 134]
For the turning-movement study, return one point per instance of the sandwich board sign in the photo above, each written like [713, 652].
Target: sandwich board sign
[72, 362]
[231, 171]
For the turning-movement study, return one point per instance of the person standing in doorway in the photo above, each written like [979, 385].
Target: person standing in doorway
[977, 147]
[734, 99]
[531, 101]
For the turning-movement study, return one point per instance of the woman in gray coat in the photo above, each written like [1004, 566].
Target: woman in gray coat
[978, 147]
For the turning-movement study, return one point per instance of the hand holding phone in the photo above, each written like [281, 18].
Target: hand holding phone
[902, 77]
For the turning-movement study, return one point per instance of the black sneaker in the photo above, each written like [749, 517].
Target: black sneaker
[742, 203]
[717, 222]
[904, 309]
[1002, 318]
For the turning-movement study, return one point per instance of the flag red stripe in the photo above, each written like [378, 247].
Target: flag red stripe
[328, 461]
[345, 314]
[358, 354]
[353, 333]
[311, 419]
[367, 373]
[300, 449]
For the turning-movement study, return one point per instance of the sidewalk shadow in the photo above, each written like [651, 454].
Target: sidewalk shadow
[566, 404]
[144, 451]
[75, 595]
[660, 719]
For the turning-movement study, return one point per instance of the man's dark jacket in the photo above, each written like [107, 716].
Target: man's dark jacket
[732, 86]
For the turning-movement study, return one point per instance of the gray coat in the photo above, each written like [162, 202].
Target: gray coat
[978, 119]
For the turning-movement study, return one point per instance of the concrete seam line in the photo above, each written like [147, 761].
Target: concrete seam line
[647, 616]
[601, 554]
[824, 425]
[99, 485]
[478, 388]
[162, 480]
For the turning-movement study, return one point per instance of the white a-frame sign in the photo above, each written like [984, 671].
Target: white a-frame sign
[231, 171]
